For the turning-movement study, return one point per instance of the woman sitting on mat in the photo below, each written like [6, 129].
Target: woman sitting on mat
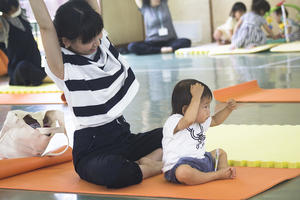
[293, 28]
[98, 85]
[184, 155]
[223, 33]
[248, 32]
[24, 66]
[160, 33]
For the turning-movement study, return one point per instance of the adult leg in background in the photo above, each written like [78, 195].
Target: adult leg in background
[26, 73]
[180, 43]
[143, 48]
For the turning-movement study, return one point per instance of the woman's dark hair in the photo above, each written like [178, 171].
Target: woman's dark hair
[278, 11]
[238, 6]
[77, 19]
[6, 5]
[182, 96]
[260, 5]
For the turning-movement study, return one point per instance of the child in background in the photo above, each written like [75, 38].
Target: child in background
[224, 32]
[292, 27]
[248, 32]
[184, 155]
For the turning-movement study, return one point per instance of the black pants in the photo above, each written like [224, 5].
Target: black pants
[105, 155]
[141, 48]
[26, 73]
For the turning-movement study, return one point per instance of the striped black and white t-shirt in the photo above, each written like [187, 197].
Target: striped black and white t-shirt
[97, 90]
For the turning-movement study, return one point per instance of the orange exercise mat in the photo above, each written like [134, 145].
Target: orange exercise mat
[34, 98]
[251, 92]
[62, 178]
[11, 167]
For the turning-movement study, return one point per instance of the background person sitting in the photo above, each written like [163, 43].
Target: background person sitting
[160, 33]
[293, 28]
[24, 67]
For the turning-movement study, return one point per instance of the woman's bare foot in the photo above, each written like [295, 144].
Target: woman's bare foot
[227, 173]
[147, 161]
[166, 50]
[150, 167]
[232, 47]
[47, 79]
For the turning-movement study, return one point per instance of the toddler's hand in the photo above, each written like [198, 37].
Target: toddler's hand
[231, 104]
[196, 90]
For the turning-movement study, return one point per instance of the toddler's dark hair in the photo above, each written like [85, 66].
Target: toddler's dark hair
[146, 2]
[182, 96]
[238, 6]
[76, 19]
[278, 11]
[6, 5]
[260, 5]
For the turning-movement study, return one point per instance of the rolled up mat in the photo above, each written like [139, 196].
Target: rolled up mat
[11, 167]
[3, 63]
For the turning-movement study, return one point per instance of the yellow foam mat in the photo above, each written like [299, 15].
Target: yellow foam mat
[228, 51]
[214, 49]
[44, 88]
[257, 145]
[287, 47]
[201, 50]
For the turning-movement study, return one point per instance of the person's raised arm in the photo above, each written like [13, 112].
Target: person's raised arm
[191, 113]
[95, 4]
[266, 27]
[49, 37]
[222, 115]
[237, 26]
[139, 3]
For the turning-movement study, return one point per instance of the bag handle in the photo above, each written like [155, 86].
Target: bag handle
[54, 130]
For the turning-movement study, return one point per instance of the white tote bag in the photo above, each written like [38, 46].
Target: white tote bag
[26, 134]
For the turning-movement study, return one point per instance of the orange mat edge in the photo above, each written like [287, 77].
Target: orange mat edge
[241, 188]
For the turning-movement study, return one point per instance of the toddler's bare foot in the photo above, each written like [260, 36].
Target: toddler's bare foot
[219, 42]
[166, 50]
[227, 173]
[251, 46]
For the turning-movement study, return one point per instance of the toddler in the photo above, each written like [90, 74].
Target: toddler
[292, 27]
[248, 32]
[184, 155]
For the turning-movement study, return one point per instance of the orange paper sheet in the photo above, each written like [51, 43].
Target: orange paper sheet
[251, 92]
